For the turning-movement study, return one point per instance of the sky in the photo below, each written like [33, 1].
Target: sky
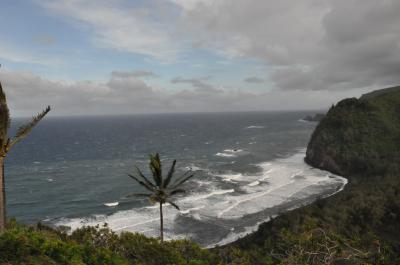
[110, 57]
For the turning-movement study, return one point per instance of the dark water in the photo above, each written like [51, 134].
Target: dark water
[248, 167]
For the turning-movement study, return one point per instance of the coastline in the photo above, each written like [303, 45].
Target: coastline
[281, 209]
[321, 184]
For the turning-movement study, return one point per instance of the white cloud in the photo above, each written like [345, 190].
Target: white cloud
[28, 93]
[254, 80]
[116, 25]
[15, 55]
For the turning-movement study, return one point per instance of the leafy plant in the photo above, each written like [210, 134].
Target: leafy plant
[7, 143]
[161, 188]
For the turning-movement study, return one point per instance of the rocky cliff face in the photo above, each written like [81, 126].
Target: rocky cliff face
[359, 137]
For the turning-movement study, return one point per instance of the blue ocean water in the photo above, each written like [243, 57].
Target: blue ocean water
[248, 167]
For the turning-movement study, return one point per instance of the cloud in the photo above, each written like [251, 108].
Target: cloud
[45, 40]
[197, 83]
[137, 73]
[254, 80]
[13, 54]
[28, 93]
[307, 44]
[120, 26]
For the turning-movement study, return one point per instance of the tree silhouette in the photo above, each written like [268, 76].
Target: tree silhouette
[161, 189]
[7, 143]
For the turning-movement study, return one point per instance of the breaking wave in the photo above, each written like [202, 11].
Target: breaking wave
[232, 205]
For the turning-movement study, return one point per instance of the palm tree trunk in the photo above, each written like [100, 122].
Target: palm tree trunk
[161, 224]
[2, 197]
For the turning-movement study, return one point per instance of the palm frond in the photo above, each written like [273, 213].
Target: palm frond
[155, 168]
[25, 129]
[4, 117]
[144, 184]
[170, 174]
[144, 177]
[180, 182]
[183, 176]
[173, 204]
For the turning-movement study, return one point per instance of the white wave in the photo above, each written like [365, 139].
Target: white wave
[229, 153]
[233, 150]
[193, 168]
[255, 127]
[254, 183]
[192, 209]
[225, 155]
[281, 180]
[209, 194]
[111, 204]
[231, 176]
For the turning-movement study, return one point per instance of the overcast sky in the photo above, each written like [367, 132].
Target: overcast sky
[89, 57]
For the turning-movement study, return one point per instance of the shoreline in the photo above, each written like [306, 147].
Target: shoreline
[253, 229]
[318, 187]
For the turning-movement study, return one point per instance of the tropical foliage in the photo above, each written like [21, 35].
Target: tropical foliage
[7, 143]
[161, 189]
[39, 244]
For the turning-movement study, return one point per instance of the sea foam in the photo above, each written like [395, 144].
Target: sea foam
[229, 212]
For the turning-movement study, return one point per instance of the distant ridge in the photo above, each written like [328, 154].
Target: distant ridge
[379, 92]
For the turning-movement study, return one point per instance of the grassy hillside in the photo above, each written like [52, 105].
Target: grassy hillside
[359, 139]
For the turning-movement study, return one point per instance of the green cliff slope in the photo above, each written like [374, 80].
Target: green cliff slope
[359, 136]
[359, 139]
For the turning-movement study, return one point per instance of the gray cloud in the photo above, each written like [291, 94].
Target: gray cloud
[135, 74]
[308, 44]
[197, 83]
[28, 93]
[254, 80]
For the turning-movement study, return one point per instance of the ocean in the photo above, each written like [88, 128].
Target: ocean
[248, 168]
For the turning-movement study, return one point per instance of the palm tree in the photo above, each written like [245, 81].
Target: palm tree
[161, 189]
[7, 143]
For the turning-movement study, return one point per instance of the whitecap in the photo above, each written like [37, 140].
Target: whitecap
[193, 168]
[231, 176]
[111, 204]
[255, 127]
[225, 155]
[229, 153]
[192, 209]
[233, 150]
[254, 183]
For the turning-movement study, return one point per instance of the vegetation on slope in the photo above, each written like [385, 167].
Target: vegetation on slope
[360, 139]
[360, 136]
[20, 244]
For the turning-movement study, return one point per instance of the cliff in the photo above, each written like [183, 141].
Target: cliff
[360, 140]
[359, 137]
